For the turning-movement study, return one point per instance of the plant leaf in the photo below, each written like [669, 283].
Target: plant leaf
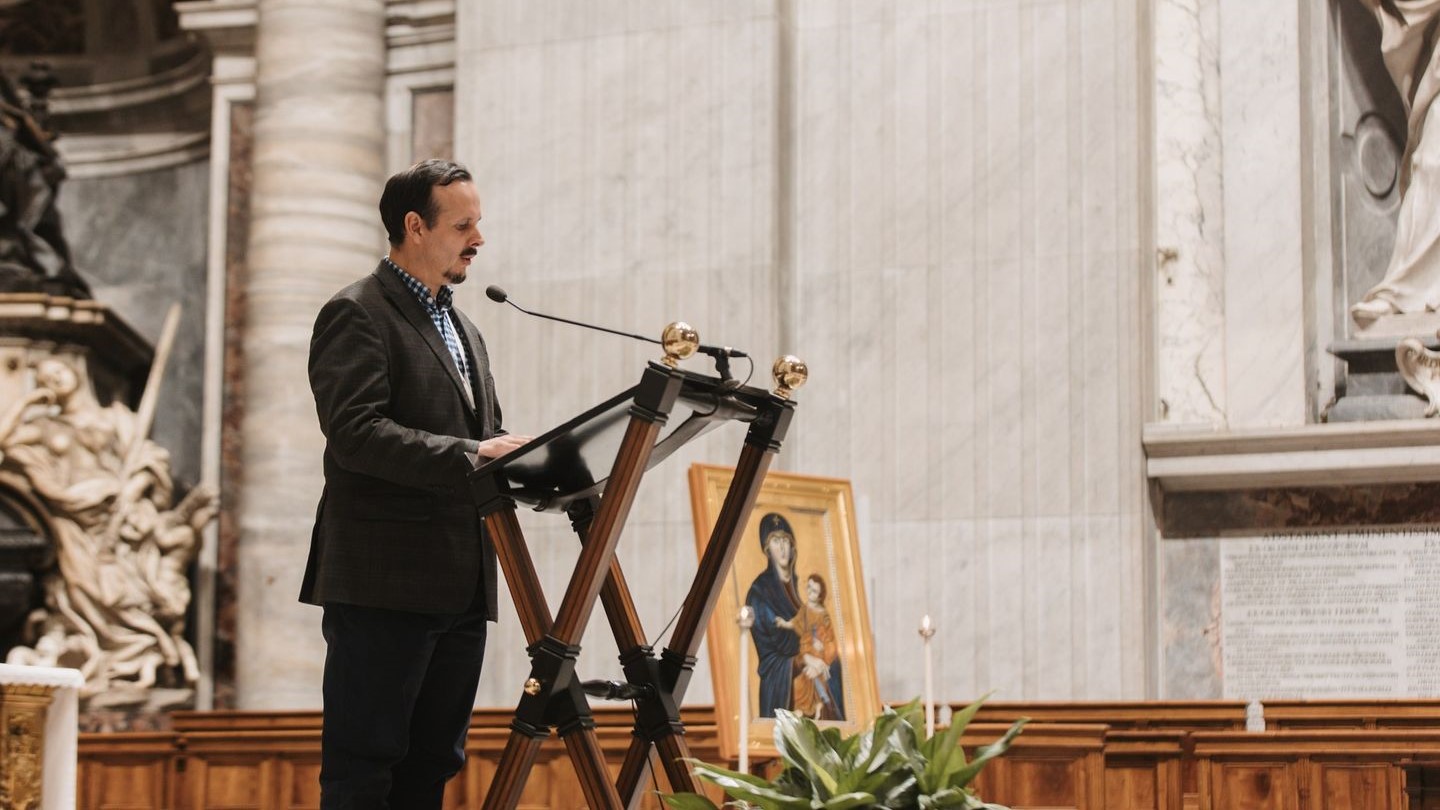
[893, 766]
[987, 753]
[688, 801]
[762, 794]
[748, 786]
[850, 800]
[801, 742]
[963, 717]
[899, 795]
[947, 756]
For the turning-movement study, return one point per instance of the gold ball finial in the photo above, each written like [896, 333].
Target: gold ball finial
[790, 372]
[680, 340]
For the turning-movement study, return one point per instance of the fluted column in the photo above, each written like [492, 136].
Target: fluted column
[318, 162]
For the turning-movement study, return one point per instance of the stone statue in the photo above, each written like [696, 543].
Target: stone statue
[34, 256]
[1412, 279]
[115, 608]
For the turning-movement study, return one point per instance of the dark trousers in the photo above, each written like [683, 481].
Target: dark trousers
[399, 688]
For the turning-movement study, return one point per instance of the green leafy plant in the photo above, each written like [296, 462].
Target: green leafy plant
[892, 765]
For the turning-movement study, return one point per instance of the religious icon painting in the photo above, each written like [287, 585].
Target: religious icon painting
[797, 569]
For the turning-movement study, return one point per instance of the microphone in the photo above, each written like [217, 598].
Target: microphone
[498, 295]
[614, 690]
[718, 352]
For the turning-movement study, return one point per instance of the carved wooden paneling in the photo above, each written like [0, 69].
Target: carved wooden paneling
[1363, 714]
[1144, 770]
[250, 761]
[1183, 715]
[1049, 766]
[1356, 786]
[1221, 715]
[133, 771]
[1251, 785]
[1135, 787]
[243, 760]
[240, 760]
[299, 782]
[1321, 769]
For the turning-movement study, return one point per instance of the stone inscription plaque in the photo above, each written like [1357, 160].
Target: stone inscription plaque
[1350, 615]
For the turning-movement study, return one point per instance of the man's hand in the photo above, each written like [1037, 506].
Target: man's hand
[498, 446]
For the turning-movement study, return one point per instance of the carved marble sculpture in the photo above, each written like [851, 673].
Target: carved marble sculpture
[1412, 279]
[115, 608]
[34, 256]
[1421, 369]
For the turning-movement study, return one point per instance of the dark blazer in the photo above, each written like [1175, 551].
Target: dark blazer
[396, 527]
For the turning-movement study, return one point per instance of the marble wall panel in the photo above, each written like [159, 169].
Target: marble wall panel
[627, 168]
[1190, 661]
[1261, 136]
[1009, 204]
[139, 239]
[936, 205]
[1189, 214]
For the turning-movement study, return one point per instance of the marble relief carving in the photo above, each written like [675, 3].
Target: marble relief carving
[115, 605]
[1420, 367]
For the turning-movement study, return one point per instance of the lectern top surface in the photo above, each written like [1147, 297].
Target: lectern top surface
[573, 459]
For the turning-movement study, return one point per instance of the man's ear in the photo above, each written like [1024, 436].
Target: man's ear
[413, 223]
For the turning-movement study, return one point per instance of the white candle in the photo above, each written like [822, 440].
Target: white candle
[927, 630]
[746, 619]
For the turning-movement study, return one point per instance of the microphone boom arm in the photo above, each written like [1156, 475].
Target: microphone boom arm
[721, 354]
[586, 325]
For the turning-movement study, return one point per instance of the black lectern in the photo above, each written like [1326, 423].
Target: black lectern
[590, 467]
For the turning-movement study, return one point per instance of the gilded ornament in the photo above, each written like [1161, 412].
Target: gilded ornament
[680, 340]
[790, 373]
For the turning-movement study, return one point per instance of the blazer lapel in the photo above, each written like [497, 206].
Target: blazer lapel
[415, 313]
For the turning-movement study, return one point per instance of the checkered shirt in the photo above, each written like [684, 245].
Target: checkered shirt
[438, 307]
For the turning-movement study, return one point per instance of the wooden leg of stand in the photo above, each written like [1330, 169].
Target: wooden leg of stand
[589, 762]
[593, 566]
[519, 756]
[620, 610]
[615, 595]
[674, 750]
[520, 574]
[515, 764]
[720, 551]
[634, 772]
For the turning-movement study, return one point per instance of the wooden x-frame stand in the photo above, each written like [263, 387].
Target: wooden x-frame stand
[552, 695]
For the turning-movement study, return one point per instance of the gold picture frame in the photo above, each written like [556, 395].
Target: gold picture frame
[830, 625]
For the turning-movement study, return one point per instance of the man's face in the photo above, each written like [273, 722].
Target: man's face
[447, 249]
[780, 547]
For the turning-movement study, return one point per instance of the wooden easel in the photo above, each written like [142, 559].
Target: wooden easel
[554, 472]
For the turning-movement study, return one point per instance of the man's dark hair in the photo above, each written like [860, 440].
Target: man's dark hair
[410, 190]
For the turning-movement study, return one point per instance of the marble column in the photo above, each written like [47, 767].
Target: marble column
[319, 155]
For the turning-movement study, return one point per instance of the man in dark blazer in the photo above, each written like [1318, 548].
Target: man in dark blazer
[398, 556]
